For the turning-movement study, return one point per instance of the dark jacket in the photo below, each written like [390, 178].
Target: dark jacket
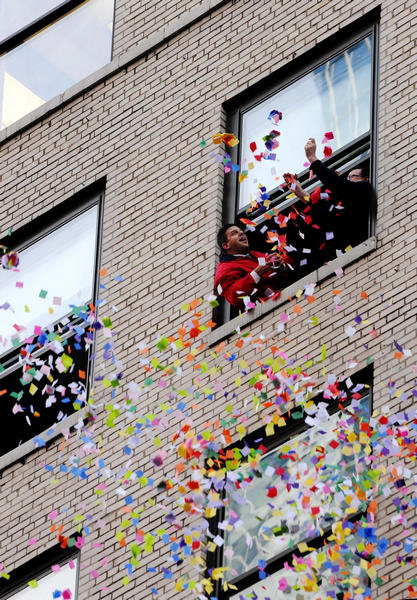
[347, 210]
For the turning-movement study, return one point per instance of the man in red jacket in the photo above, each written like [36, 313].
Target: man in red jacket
[244, 276]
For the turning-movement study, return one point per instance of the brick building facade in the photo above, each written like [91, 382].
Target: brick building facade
[130, 133]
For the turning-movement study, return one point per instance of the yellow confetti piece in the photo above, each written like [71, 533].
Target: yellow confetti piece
[32, 389]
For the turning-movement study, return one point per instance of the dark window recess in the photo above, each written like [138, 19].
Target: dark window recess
[30, 406]
[45, 366]
[66, 554]
[331, 88]
[275, 536]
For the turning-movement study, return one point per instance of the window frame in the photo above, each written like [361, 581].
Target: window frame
[25, 236]
[279, 80]
[31, 29]
[37, 26]
[293, 428]
[38, 566]
[288, 74]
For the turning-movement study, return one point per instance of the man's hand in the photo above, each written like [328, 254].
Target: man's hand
[310, 150]
[262, 270]
[295, 186]
[277, 261]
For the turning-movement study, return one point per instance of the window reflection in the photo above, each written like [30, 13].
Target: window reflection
[56, 58]
[271, 524]
[325, 576]
[62, 264]
[334, 97]
[17, 14]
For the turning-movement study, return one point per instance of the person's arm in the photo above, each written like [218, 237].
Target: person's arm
[331, 180]
[295, 186]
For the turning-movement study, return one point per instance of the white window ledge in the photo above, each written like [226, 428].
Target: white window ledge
[327, 270]
[19, 453]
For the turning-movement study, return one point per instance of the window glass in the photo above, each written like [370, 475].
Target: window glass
[271, 523]
[17, 14]
[54, 272]
[53, 60]
[64, 579]
[334, 97]
[324, 578]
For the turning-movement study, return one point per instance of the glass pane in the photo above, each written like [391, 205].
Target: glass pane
[60, 264]
[17, 14]
[263, 526]
[64, 579]
[326, 577]
[55, 59]
[334, 97]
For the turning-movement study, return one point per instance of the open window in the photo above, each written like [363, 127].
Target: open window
[276, 506]
[48, 46]
[329, 89]
[46, 330]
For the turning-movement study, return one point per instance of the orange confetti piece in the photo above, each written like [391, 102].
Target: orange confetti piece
[364, 295]
[194, 303]
[103, 272]
[297, 309]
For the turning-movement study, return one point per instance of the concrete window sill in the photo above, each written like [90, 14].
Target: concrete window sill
[20, 452]
[324, 272]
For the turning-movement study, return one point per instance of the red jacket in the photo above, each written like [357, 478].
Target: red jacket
[233, 275]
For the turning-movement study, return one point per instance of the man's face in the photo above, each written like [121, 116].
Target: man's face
[237, 242]
[356, 175]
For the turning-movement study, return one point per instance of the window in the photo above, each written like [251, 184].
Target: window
[331, 88]
[47, 335]
[46, 47]
[55, 570]
[267, 515]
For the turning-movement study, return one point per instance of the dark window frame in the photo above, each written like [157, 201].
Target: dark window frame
[38, 566]
[281, 79]
[294, 427]
[34, 231]
[18, 37]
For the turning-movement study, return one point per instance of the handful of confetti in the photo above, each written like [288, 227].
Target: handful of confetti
[228, 138]
[10, 260]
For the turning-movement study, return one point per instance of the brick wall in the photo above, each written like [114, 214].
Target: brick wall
[141, 129]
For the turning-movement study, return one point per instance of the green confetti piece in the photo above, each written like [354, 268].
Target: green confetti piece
[163, 343]
[66, 360]
[43, 294]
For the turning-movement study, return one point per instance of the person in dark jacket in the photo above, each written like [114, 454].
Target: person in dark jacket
[345, 214]
[244, 276]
